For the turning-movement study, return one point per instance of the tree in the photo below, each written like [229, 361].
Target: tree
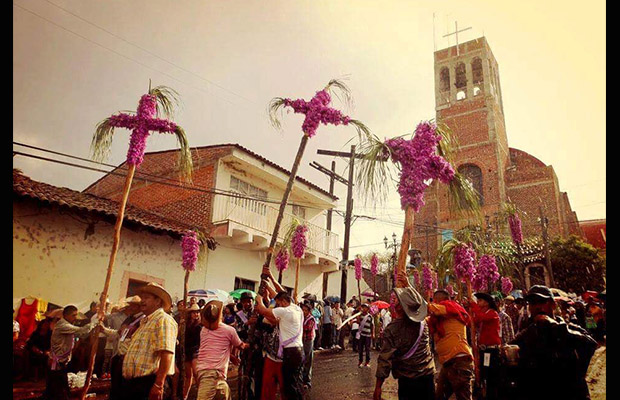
[577, 265]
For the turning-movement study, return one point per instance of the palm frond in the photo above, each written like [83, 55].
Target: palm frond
[102, 140]
[185, 155]
[449, 144]
[286, 242]
[463, 198]
[363, 133]
[275, 107]
[373, 173]
[445, 260]
[343, 90]
[167, 100]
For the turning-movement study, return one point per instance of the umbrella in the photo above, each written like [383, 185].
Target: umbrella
[333, 299]
[369, 293]
[236, 294]
[210, 294]
[309, 296]
[558, 293]
[380, 304]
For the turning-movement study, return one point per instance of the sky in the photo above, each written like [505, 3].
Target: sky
[76, 62]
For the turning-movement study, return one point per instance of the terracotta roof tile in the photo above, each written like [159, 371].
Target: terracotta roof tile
[23, 186]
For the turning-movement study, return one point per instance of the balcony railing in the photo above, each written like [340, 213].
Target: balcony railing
[261, 217]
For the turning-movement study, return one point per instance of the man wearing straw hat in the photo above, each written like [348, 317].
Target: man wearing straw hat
[132, 317]
[406, 348]
[150, 356]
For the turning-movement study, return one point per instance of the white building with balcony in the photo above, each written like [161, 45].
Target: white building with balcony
[235, 198]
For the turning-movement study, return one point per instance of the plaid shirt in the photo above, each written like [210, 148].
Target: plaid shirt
[157, 332]
[309, 324]
[506, 331]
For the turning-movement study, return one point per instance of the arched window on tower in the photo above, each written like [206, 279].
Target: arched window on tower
[460, 81]
[444, 79]
[478, 75]
[474, 175]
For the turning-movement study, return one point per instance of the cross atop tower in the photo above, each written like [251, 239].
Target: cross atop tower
[456, 32]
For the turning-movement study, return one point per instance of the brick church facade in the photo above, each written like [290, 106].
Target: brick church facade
[468, 99]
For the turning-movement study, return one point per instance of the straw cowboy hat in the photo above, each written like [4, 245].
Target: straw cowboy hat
[413, 303]
[194, 307]
[158, 290]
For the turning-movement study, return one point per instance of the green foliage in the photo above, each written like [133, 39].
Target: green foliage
[577, 265]
[474, 235]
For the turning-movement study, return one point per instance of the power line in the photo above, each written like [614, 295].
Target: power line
[173, 181]
[114, 51]
[150, 52]
[187, 187]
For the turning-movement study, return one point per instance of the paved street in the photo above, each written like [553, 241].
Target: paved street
[337, 376]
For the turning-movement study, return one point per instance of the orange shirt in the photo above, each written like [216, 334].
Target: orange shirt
[455, 339]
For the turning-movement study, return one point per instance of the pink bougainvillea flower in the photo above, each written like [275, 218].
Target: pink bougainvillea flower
[358, 268]
[420, 164]
[506, 285]
[515, 228]
[299, 241]
[191, 247]
[282, 259]
[374, 265]
[464, 262]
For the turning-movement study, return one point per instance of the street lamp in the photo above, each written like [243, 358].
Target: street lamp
[393, 245]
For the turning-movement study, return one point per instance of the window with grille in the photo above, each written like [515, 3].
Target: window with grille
[474, 175]
[299, 211]
[241, 283]
[254, 193]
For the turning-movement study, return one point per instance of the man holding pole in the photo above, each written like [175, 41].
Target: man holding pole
[406, 348]
[448, 324]
[63, 335]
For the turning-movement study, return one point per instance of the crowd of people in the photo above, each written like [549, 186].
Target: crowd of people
[521, 345]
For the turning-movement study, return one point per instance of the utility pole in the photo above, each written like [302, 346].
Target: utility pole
[544, 224]
[348, 215]
[332, 177]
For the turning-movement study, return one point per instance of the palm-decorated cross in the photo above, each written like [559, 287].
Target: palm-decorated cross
[316, 111]
[158, 99]
[420, 159]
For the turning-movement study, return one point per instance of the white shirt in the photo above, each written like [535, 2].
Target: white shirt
[387, 318]
[15, 326]
[290, 321]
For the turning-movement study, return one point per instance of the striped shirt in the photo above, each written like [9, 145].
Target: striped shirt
[157, 332]
[215, 346]
[367, 327]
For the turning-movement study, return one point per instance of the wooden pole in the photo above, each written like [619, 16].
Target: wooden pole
[405, 242]
[474, 344]
[347, 229]
[296, 280]
[182, 328]
[276, 228]
[106, 286]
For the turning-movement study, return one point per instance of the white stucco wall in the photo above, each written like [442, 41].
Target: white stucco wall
[53, 261]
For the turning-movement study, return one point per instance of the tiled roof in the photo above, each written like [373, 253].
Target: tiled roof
[163, 163]
[23, 186]
[593, 231]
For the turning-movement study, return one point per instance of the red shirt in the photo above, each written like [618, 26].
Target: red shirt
[487, 326]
